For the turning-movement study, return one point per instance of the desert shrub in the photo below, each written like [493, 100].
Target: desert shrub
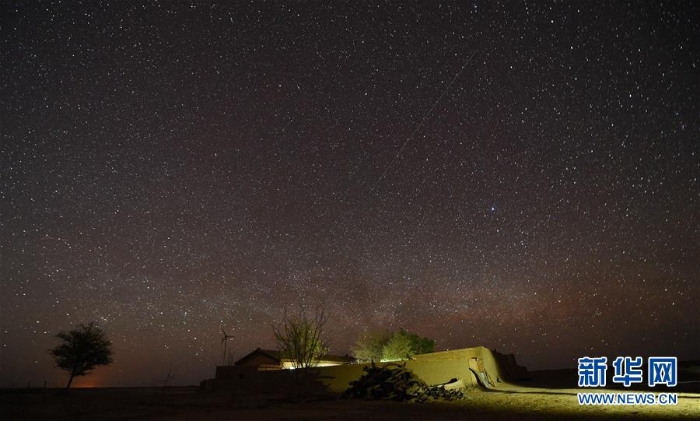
[385, 346]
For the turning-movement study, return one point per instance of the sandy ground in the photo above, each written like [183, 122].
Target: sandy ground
[520, 403]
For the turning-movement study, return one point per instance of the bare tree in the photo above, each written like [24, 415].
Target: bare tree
[82, 350]
[300, 338]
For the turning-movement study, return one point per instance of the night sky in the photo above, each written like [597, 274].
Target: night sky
[517, 175]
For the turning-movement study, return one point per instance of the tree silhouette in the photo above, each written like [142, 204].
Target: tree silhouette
[300, 338]
[83, 349]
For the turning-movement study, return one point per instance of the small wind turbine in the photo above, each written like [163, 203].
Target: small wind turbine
[166, 381]
[224, 341]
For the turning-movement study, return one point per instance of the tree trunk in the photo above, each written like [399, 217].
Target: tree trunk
[72, 375]
[70, 381]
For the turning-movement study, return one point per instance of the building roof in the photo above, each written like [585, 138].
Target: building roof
[269, 353]
[275, 356]
[337, 358]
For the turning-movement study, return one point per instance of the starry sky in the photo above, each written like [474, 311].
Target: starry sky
[519, 175]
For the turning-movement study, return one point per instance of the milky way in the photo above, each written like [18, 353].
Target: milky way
[518, 175]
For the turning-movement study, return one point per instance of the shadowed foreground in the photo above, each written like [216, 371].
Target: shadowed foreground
[187, 403]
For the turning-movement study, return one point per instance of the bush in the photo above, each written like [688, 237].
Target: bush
[399, 345]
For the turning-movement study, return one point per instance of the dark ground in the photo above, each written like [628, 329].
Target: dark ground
[548, 395]
[188, 404]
